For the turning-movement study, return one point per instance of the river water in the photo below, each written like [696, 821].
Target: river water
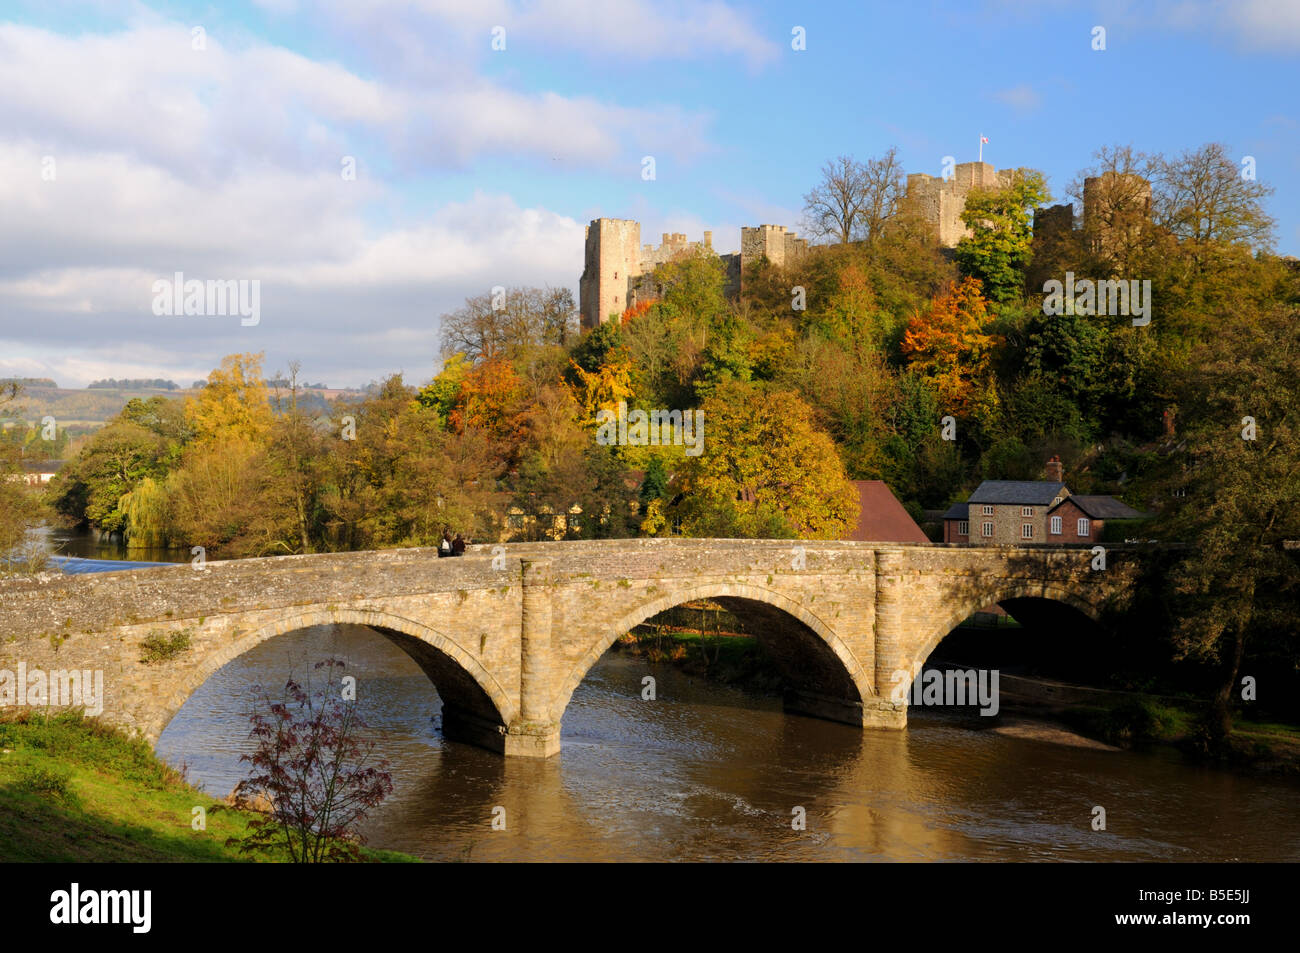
[707, 772]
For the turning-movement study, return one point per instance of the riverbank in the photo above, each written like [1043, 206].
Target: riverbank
[73, 790]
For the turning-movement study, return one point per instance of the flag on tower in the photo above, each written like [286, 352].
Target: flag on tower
[983, 139]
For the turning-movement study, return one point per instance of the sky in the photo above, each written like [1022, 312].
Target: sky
[138, 140]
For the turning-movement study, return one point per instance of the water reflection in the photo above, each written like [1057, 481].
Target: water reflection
[707, 772]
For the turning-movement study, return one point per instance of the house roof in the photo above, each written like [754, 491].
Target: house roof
[958, 511]
[1102, 507]
[1021, 492]
[882, 518]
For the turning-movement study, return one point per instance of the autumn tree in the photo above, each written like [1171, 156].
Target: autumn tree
[765, 470]
[315, 764]
[951, 346]
[235, 403]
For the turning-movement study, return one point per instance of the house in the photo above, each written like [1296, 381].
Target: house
[881, 518]
[1019, 512]
[1004, 512]
[1080, 519]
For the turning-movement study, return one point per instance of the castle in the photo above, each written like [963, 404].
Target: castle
[619, 270]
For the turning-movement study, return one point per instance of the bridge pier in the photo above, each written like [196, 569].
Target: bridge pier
[535, 734]
[873, 714]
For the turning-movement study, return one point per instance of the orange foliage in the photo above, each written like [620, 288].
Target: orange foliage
[490, 400]
[949, 345]
[635, 311]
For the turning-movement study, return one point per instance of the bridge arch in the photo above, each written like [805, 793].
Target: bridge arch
[968, 605]
[825, 648]
[461, 680]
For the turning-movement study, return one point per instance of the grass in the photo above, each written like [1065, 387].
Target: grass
[73, 789]
[728, 658]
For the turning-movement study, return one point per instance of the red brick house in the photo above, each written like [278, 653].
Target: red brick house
[1029, 512]
[1080, 519]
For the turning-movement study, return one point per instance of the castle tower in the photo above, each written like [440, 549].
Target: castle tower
[612, 259]
[940, 203]
[1116, 207]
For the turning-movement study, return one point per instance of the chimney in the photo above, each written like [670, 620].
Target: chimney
[1055, 470]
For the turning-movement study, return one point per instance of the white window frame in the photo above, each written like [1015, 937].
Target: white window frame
[987, 528]
[1026, 530]
[988, 511]
[1026, 511]
[1084, 527]
[963, 527]
[1056, 526]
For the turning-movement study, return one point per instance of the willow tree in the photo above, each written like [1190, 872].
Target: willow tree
[145, 510]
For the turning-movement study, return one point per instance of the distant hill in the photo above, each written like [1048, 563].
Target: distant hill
[156, 383]
[88, 409]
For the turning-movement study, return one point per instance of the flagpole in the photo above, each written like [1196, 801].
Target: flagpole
[981, 147]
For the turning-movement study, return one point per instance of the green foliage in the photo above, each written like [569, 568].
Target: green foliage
[162, 647]
[1001, 220]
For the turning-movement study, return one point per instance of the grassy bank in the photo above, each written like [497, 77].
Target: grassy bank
[72, 789]
[1138, 723]
[727, 657]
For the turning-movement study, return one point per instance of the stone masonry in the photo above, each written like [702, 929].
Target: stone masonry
[507, 638]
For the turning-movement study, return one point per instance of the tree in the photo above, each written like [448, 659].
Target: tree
[1238, 585]
[1001, 222]
[769, 473]
[503, 324]
[315, 768]
[18, 508]
[853, 200]
[950, 345]
[234, 405]
[1204, 198]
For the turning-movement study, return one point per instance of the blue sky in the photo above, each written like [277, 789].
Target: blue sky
[479, 167]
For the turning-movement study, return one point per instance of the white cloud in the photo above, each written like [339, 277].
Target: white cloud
[144, 92]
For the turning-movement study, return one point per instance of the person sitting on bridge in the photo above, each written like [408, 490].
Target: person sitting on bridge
[458, 546]
[444, 548]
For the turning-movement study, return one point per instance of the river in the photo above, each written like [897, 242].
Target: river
[707, 772]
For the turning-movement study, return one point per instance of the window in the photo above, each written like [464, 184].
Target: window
[1056, 526]
[1055, 501]
[988, 511]
[987, 529]
[1026, 511]
[963, 527]
[1083, 526]
[1027, 531]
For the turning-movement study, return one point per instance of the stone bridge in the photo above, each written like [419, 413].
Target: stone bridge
[507, 633]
